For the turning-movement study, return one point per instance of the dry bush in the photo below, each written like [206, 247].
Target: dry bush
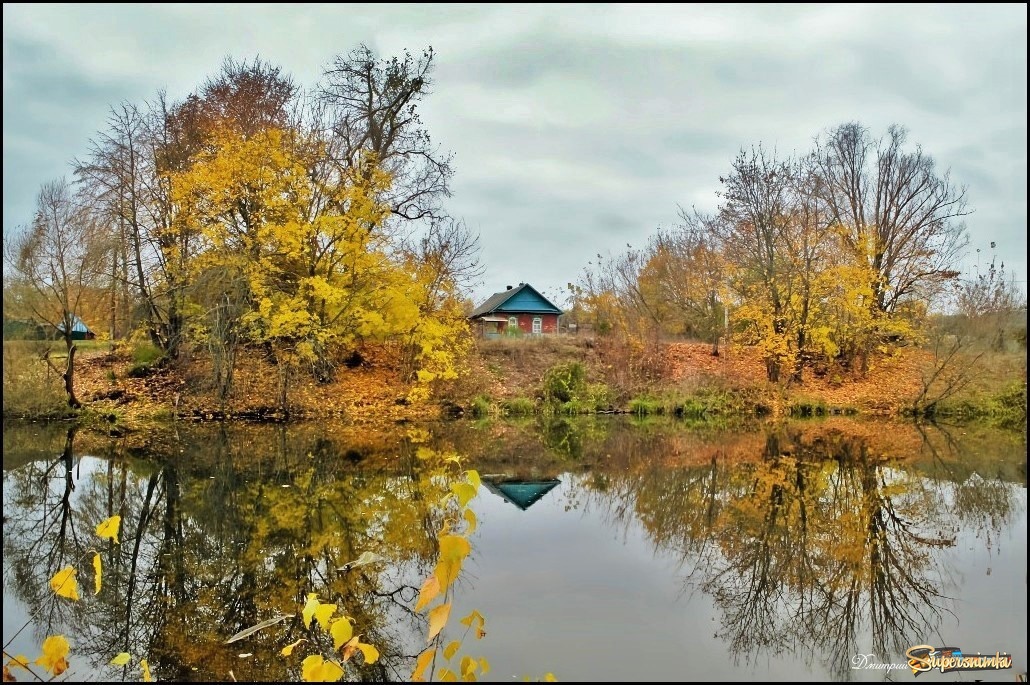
[31, 388]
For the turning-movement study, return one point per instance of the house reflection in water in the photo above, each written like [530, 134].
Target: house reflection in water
[522, 493]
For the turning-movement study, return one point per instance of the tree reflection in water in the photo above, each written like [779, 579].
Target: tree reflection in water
[820, 546]
[817, 542]
[236, 527]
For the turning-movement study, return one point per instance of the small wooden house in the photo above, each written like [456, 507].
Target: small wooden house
[518, 310]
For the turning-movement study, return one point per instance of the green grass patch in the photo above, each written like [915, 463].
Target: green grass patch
[805, 407]
[703, 404]
[31, 389]
[519, 406]
[146, 353]
[1005, 409]
[146, 357]
[482, 407]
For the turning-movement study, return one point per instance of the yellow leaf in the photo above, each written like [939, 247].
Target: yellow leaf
[464, 492]
[473, 477]
[323, 613]
[363, 560]
[469, 677]
[97, 573]
[288, 649]
[446, 572]
[350, 648]
[309, 609]
[109, 528]
[421, 664]
[474, 616]
[454, 547]
[315, 669]
[484, 666]
[470, 517]
[342, 631]
[549, 678]
[370, 653]
[20, 661]
[468, 665]
[430, 589]
[453, 550]
[437, 620]
[447, 676]
[451, 649]
[121, 659]
[64, 584]
[55, 651]
[145, 667]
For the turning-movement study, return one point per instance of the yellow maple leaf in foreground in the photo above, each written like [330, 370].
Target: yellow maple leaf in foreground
[109, 528]
[64, 584]
[55, 652]
[315, 669]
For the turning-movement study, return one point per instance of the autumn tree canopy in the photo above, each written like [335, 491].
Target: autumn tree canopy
[300, 223]
[825, 257]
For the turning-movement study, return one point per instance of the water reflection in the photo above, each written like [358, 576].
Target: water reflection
[809, 542]
[809, 547]
[217, 535]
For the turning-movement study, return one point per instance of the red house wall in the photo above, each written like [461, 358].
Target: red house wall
[549, 323]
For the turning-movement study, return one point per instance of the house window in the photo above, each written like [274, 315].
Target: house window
[538, 325]
[513, 322]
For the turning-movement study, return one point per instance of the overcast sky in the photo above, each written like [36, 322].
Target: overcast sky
[576, 129]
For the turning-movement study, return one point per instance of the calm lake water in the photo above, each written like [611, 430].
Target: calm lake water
[607, 550]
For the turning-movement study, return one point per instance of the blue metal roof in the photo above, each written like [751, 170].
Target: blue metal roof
[524, 298]
[522, 493]
[77, 326]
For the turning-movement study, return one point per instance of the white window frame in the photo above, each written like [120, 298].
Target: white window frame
[513, 322]
[538, 325]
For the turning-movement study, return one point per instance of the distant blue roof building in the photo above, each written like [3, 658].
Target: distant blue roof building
[80, 331]
[521, 309]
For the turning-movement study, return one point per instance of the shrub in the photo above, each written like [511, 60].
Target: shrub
[146, 357]
[565, 383]
[146, 353]
[482, 407]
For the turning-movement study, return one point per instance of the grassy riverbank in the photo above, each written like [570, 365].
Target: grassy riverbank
[132, 384]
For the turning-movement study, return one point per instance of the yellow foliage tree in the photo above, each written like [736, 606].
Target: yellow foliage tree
[312, 273]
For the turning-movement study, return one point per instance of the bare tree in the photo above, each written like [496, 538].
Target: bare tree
[373, 106]
[120, 179]
[900, 214]
[993, 307]
[249, 95]
[125, 177]
[449, 249]
[60, 257]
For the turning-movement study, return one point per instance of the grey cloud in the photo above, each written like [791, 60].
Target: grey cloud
[576, 129]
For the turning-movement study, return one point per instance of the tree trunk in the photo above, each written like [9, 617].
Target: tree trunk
[69, 374]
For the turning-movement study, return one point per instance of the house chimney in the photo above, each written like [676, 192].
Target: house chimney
[508, 288]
